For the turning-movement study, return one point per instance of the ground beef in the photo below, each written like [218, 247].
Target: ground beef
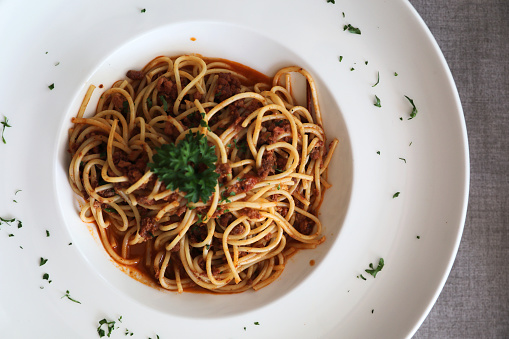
[133, 170]
[176, 248]
[251, 213]
[135, 75]
[198, 233]
[172, 197]
[282, 210]
[273, 129]
[148, 227]
[267, 165]
[225, 219]
[281, 163]
[144, 200]
[118, 101]
[227, 86]
[315, 153]
[223, 170]
[303, 224]
[168, 89]
[181, 210]
[242, 186]
[239, 229]
[107, 193]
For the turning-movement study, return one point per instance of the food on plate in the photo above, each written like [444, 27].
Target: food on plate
[202, 173]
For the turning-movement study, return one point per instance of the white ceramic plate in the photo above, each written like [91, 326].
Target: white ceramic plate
[74, 44]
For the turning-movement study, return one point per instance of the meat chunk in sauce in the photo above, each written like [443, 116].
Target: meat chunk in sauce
[268, 164]
[148, 227]
[227, 86]
[135, 75]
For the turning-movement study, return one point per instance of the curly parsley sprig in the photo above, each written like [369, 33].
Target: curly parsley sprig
[188, 166]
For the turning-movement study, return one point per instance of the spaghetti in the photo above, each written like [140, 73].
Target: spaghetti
[271, 166]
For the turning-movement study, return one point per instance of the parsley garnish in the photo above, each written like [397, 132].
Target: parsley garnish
[374, 271]
[378, 152]
[377, 103]
[4, 124]
[351, 69]
[149, 102]
[11, 235]
[177, 166]
[418, 237]
[331, 1]
[395, 195]
[109, 324]
[377, 77]
[143, 10]
[42, 261]
[403, 159]
[395, 74]
[366, 62]
[46, 277]
[47, 233]
[68, 296]
[414, 109]
[58, 63]
[256, 323]
[343, 14]
[51, 86]
[361, 276]
[351, 29]
[165, 103]
[340, 58]
[7, 221]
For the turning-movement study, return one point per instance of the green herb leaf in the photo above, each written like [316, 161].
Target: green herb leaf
[143, 10]
[340, 58]
[11, 235]
[178, 167]
[256, 323]
[377, 103]
[377, 78]
[403, 159]
[366, 62]
[110, 327]
[343, 14]
[378, 152]
[351, 29]
[165, 103]
[352, 69]
[362, 277]
[42, 261]
[414, 109]
[51, 86]
[418, 237]
[331, 1]
[5, 124]
[68, 296]
[395, 195]
[47, 233]
[58, 63]
[374, 271]
[395, 74]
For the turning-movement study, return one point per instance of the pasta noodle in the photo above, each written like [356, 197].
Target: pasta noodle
[272, 161]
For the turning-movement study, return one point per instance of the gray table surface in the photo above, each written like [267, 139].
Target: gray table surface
[474, 38]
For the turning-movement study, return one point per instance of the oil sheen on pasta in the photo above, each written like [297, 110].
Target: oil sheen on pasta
[272, 164]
